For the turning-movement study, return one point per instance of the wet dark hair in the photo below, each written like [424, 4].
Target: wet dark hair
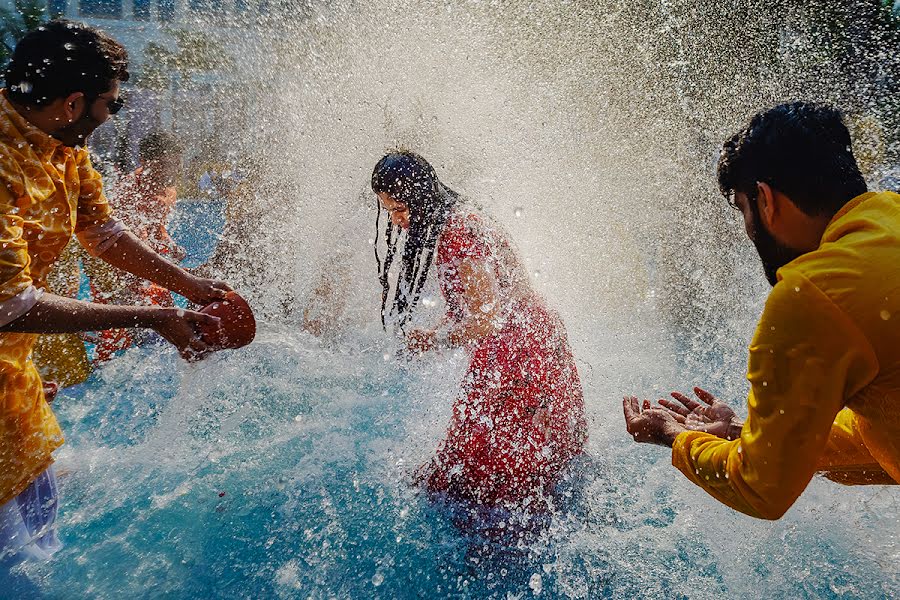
[159, 144]
[408, 178]
[802, 149]
[63, 57]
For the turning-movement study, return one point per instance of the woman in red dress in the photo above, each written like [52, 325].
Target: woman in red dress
[520, 417]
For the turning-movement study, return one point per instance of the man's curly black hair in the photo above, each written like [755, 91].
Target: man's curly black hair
[801, 149]
[63, 57]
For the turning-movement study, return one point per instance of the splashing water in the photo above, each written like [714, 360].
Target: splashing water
[282, 469]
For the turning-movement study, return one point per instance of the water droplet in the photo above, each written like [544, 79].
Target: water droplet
[536, 583]
[885, 315]
[519, 212]
[377, 579]
[797, 289]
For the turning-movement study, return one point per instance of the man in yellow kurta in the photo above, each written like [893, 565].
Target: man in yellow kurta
[824, 363]
[63, 82]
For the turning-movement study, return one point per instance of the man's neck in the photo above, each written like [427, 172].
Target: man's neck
[35, 117]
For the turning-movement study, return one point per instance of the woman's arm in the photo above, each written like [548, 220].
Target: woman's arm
[482, 300]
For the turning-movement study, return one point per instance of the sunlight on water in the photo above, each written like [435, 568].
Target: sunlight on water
[283, 469]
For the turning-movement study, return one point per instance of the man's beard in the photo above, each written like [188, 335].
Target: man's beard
[77, 133]
[772, 253]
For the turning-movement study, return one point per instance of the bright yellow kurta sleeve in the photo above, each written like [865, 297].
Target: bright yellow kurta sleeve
[93, 208]
[806, 359]
[14, 260]
[846, 459]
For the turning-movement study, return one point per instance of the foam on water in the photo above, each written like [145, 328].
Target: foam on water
[282, 470]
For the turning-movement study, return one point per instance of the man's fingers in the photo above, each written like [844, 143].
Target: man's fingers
[635, 405]
[628, 412]
[632, 411]
[219, 288]
[677, 411]
[704, 395]
[627, 409]
[675, 415]
[191, 355]
[193, 316]
[195, 349]
[196, 343]
[689, 403]
[674, 407]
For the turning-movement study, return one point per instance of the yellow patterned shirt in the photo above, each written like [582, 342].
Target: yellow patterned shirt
[824, 371]
[47, 192]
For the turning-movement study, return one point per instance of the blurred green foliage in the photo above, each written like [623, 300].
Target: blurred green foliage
[16, 22]
[195, 52]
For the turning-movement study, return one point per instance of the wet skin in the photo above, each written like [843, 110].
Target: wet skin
[398, 211]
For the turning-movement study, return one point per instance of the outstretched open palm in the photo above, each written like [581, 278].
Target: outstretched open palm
[650, 425]
[711, 415]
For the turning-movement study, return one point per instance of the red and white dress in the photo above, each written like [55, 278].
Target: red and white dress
[520, 418]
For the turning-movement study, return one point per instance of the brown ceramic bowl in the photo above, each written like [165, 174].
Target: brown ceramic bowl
[236, 328]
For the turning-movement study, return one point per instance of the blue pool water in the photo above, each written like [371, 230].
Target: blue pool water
[282, 470]
[196, 225]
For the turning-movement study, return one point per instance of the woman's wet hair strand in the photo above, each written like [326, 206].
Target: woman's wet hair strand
[408, 178]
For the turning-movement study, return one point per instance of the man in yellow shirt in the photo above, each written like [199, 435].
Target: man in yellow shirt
[824, 363]
[62, 83]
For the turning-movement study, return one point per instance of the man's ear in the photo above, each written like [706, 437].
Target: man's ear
[768, 204]
[74, 106]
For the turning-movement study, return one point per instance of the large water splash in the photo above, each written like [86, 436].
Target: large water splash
[590, 130]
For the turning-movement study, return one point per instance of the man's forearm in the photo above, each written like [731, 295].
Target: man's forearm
[57, 314]
[131, 254]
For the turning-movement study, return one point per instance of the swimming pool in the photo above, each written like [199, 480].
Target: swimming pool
[282, 470]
